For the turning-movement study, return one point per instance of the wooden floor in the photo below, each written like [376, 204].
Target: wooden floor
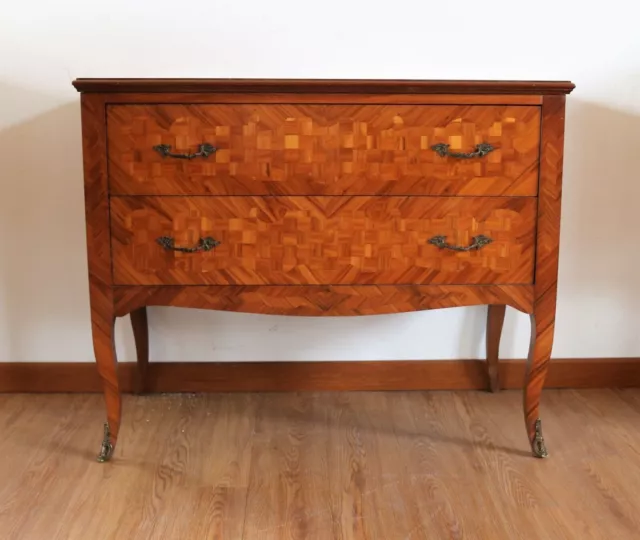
[388, 466]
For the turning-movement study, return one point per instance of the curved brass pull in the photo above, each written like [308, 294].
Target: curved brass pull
[204, 244]
[481, 150]
[478, 242]
[204, 150]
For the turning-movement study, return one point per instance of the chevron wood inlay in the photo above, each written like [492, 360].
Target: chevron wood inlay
[340, 300]
[322, 198]
[315, 240]
[287, 149]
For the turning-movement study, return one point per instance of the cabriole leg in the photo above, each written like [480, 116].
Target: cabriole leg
[495, 320]
[542, 329]
[141, 337]
[102, 324]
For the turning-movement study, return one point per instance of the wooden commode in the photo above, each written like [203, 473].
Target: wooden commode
[320, 197]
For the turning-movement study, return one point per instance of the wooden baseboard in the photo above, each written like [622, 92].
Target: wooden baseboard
[318, 376]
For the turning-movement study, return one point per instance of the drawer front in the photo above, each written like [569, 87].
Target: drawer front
[322, 240]
[290, 149]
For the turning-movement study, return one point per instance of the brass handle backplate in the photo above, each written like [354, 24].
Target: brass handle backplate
[204, 150]
[477, 242]
[204, 244]
[481, 150]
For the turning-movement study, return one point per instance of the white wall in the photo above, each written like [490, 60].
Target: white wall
[44, 313]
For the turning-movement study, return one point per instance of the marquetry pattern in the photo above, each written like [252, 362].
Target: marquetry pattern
[322, 240]
[327, 149]
[323, 300]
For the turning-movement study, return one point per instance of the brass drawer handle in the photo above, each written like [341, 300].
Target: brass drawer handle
[204, 244]
[204, 150]
[481, 150]
[478, 242]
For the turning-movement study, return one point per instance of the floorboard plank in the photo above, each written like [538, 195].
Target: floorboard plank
[322, 466]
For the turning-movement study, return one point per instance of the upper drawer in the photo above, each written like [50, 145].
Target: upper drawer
[285, 149]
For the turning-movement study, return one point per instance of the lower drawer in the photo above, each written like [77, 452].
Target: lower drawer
[322, 240]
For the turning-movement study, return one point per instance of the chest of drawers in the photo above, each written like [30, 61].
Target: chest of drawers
[322, 198]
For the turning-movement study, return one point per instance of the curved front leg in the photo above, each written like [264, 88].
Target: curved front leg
[546, 274]
[102, 327]
[542, 328]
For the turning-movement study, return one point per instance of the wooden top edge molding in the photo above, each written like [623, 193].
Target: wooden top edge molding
[343, 86]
